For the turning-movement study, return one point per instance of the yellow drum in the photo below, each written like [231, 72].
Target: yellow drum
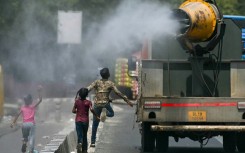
[202, 19]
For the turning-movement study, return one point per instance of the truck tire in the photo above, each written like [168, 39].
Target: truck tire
[147, 138]
[241, 142]
[229, 141]
[162, 142]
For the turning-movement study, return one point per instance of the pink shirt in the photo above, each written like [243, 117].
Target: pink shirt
[82, 107]
[28, 113]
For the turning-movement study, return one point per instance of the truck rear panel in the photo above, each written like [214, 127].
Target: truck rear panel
[192, 109]
[165, 93]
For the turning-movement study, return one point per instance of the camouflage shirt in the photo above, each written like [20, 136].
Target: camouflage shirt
[103, 87]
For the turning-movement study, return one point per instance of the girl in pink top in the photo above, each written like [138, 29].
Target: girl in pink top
[28, 127]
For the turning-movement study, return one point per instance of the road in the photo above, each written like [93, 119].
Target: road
[11, 142]
[119, 136]
[47, 125]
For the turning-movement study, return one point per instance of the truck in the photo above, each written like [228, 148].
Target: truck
[194, 85]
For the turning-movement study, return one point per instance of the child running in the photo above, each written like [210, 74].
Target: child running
[102, 106]
[81, 109]
[28, 115]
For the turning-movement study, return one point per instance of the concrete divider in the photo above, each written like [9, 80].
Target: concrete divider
[61, 143]
[69, 143]
[66, 140]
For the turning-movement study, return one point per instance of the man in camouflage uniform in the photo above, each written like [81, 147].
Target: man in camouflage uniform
[102, 106]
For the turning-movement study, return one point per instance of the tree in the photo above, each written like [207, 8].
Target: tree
[228, 7]
[15, 15]
[241, 7]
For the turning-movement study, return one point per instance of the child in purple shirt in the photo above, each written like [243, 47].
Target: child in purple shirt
[81, 109]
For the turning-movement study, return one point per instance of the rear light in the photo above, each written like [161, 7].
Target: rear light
[152, 104]
[241, 105]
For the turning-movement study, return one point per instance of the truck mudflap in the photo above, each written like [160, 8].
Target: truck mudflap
[238, 128]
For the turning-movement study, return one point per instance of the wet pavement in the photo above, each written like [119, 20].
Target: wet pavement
[50, 121]
[120, 134]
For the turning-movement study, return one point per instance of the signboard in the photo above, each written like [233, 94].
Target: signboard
[69, 27]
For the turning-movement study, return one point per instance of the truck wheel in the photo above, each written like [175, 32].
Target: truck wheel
[147, 138]
[241, 142]
[229, 141]
[162, 142]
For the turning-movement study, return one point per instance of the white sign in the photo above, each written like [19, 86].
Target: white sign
[69, 27]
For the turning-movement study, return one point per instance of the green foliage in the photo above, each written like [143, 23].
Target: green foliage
[228, 7]
[93, 9]
[176, 3]
[8, 12]
[241, 7]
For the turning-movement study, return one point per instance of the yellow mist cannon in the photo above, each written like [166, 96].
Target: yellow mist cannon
[200, 21]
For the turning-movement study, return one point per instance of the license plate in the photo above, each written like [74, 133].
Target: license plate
[197, 116]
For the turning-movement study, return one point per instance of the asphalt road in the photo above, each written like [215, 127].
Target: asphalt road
[49, 122]
[12, 142]
[119, 136]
